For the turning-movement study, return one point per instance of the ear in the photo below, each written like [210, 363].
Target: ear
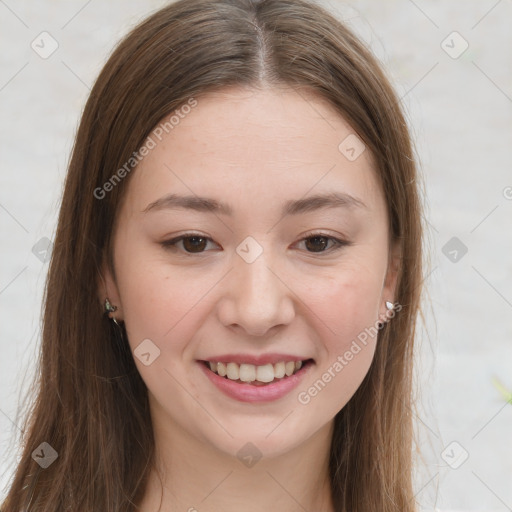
[391, 279]
[107, 288]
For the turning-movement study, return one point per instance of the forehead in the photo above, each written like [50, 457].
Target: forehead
[244, 144]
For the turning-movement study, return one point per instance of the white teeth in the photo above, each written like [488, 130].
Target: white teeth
[279, 371]
[250, 373]
[221, 369]
[265, 373]
[233, 371]
[247, 372]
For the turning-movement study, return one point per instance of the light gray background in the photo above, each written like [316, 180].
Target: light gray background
[460, 112]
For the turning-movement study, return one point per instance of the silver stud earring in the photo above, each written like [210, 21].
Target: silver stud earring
[389, 307]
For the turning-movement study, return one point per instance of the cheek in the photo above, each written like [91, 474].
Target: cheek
[344, 307]
[164, 306]
[345, 311]
[161, 302]
[345, 300]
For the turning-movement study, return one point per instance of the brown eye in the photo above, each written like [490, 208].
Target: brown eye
[192, 244]
[317, 243]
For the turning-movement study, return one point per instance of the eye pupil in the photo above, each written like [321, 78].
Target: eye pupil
[193, 245]
[322, 245]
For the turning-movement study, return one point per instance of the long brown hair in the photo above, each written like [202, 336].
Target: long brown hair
[90, 403]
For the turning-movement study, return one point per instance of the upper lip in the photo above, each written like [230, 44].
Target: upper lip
[256, 360]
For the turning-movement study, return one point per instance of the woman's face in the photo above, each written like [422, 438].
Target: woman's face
[261, 280]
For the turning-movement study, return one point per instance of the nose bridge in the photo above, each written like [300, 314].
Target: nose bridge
[259, 298]
[255, 281]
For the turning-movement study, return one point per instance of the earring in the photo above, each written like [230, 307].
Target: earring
[110, 308]
[389, 307]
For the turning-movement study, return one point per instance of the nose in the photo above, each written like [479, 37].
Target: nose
[256, 298]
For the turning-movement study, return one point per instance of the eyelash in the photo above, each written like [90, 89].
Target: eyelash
[338, 243]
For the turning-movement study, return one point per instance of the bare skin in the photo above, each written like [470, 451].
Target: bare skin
[253, 150]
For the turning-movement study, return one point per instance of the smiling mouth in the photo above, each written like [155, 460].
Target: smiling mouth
[257, 375]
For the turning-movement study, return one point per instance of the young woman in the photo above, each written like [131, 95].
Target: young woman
[236, 275]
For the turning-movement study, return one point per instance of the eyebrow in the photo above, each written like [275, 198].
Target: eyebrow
[291, 207]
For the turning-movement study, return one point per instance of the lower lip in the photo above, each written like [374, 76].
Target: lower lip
[251, 393]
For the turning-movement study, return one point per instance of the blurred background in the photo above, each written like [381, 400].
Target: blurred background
[451, 64]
